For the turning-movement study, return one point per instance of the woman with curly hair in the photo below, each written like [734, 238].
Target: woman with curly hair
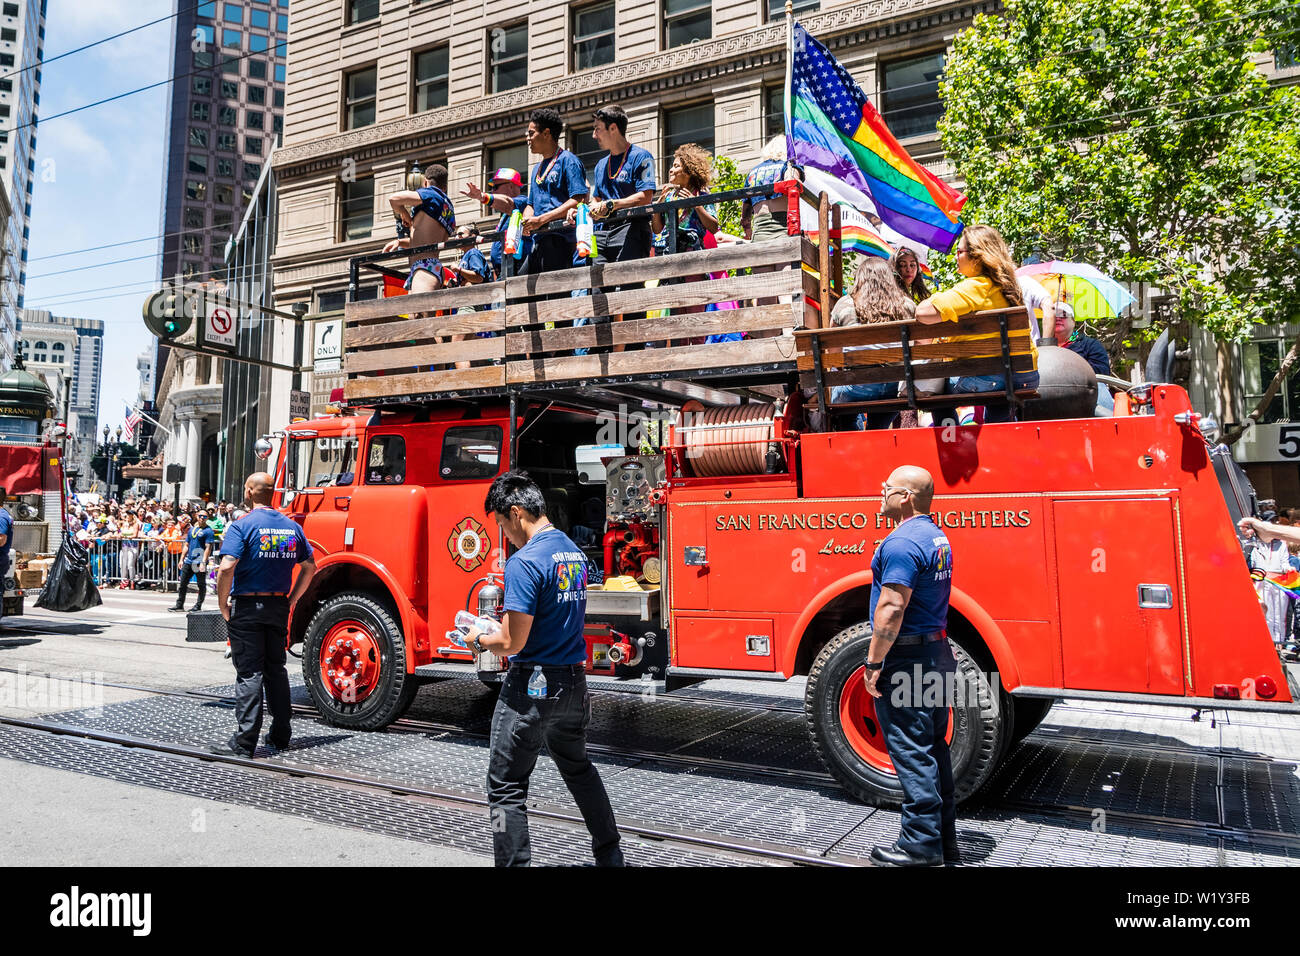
[990, 283]
[907, 270]
[690, 175]
[875, 298]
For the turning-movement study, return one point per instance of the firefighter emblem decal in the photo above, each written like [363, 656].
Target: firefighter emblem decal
[468, 544]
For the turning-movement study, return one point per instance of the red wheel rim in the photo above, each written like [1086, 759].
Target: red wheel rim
[349, 662]
[861, 726]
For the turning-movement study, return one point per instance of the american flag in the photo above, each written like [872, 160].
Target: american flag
[132, 419]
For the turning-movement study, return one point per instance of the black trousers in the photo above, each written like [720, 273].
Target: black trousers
[520, 725]
[258, 630]
[551, 252]
[188, 572]
[916, 730]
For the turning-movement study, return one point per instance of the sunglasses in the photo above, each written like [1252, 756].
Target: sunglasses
[887, 490]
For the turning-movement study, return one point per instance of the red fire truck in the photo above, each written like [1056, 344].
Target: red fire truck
[31, 476]
[1094, 558]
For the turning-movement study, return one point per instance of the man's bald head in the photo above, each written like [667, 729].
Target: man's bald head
[259, 487]
[916, 480]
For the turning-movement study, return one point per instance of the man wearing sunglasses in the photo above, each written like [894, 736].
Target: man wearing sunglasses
[911, 582]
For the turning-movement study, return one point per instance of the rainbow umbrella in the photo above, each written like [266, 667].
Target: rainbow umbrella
[1089, 291]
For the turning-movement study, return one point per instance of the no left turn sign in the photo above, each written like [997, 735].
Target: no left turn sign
[219, 329]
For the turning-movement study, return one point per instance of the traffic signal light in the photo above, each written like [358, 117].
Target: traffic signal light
[170, 312]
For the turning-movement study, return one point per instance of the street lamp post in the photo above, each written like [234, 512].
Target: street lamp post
[111, 453]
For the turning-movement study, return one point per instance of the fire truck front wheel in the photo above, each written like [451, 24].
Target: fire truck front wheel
[354, 663]
[846, 732]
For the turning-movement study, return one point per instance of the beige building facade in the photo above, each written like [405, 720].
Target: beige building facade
[374, 86]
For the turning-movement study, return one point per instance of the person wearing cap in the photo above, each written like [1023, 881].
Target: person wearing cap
[255, 591]
[505, 195]
[1089, 349]
[907, 656]
[199, 542]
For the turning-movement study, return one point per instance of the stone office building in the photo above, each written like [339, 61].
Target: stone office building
[375, 85]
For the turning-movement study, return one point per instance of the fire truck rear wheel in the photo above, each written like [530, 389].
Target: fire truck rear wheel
[847, 736]
[374, 688]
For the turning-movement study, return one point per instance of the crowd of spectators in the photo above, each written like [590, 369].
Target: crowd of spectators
[141, 542]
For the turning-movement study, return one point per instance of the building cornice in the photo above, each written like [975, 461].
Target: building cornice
[755, 49]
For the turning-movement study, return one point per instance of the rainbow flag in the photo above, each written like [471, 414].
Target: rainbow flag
[831, 126]
[1288, 581]
[856, 234]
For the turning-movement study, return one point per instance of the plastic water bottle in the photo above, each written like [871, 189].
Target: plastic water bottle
[466, 620]
[514, 239]
[537, 683]
[585, 233]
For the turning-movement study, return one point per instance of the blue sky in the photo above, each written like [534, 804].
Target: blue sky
[107, 177]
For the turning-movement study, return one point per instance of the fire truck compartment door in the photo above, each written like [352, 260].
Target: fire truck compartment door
[724, 643]
[688, 551]
[1118, 585]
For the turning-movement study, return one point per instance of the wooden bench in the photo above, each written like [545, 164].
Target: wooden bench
[911, 351]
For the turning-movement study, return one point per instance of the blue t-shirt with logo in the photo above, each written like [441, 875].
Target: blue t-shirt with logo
[547, 578]
[472, 261]
[554, 182]
[267, 545]
[198, 539]
[435, 204]
[6, 529]
[617, 177]
[916, 555]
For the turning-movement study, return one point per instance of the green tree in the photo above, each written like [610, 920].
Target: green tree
[727, 176]
[1139, 136]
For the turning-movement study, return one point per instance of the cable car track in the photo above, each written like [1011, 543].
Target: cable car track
[1074, 812]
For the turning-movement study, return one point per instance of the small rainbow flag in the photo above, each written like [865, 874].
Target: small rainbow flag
[856, 234]
[833, 128]
[1286, 581]
[925, 271]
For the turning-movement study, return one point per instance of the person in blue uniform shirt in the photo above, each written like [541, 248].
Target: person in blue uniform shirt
[544, 698]
[198, 549]
[624, 178]
[505, 194]
[911, 582]
[473, 267]
[255, 590]
[6, 546]
[428, 215]
[556, 185]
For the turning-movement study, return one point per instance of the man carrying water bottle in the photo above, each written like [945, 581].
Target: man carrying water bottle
[544, 697]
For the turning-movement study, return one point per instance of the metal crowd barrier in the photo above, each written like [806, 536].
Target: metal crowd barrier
[157, 562]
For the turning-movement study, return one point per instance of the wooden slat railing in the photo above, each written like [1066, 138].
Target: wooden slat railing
[530, 332]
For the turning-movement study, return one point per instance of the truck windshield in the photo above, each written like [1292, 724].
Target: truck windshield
[321, 463]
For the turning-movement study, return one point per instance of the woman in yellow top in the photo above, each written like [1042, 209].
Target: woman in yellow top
[990, 283]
